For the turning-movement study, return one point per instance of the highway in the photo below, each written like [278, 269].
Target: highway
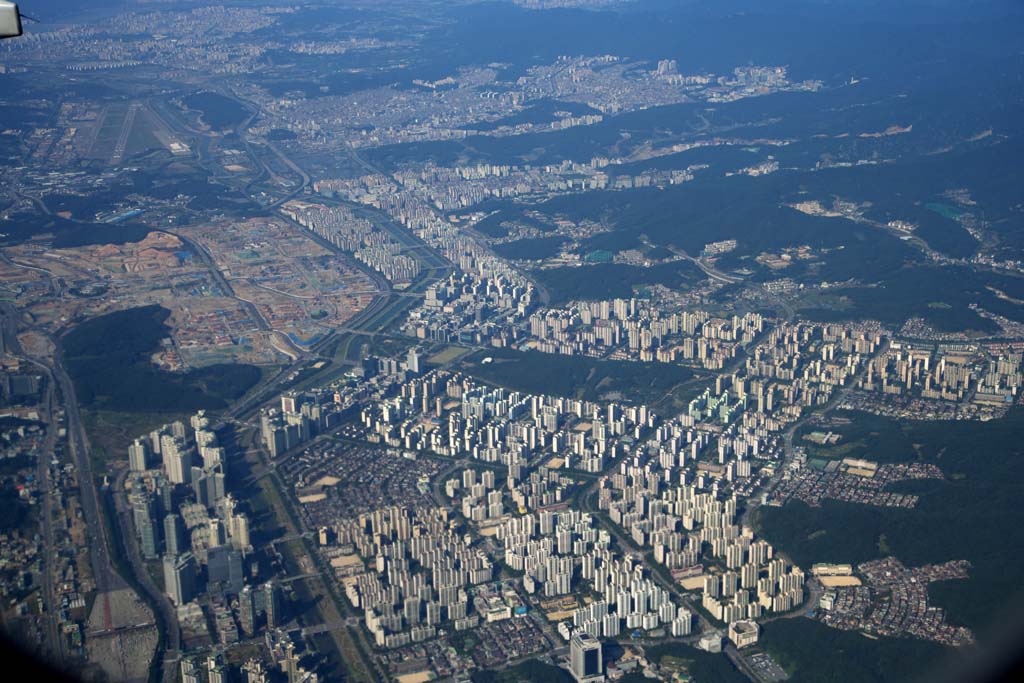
[46, 512]
[710, 271]
[376, 318]
[107, 578]
[48, 415]
[103, 569]
[77, 447]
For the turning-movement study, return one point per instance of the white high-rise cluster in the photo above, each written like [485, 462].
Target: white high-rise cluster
[421, 569]
[550, 547]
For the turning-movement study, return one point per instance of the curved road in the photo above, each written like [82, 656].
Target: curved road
[107, 578]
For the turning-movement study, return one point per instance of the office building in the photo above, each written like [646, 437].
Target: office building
[180, 578]
[743, 633]
[224, 570]
[585, 658]
[208, 485]
[711, 642]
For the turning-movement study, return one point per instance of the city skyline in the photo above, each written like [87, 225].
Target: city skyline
[554, 340]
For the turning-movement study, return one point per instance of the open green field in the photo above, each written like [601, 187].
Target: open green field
[447, 355]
